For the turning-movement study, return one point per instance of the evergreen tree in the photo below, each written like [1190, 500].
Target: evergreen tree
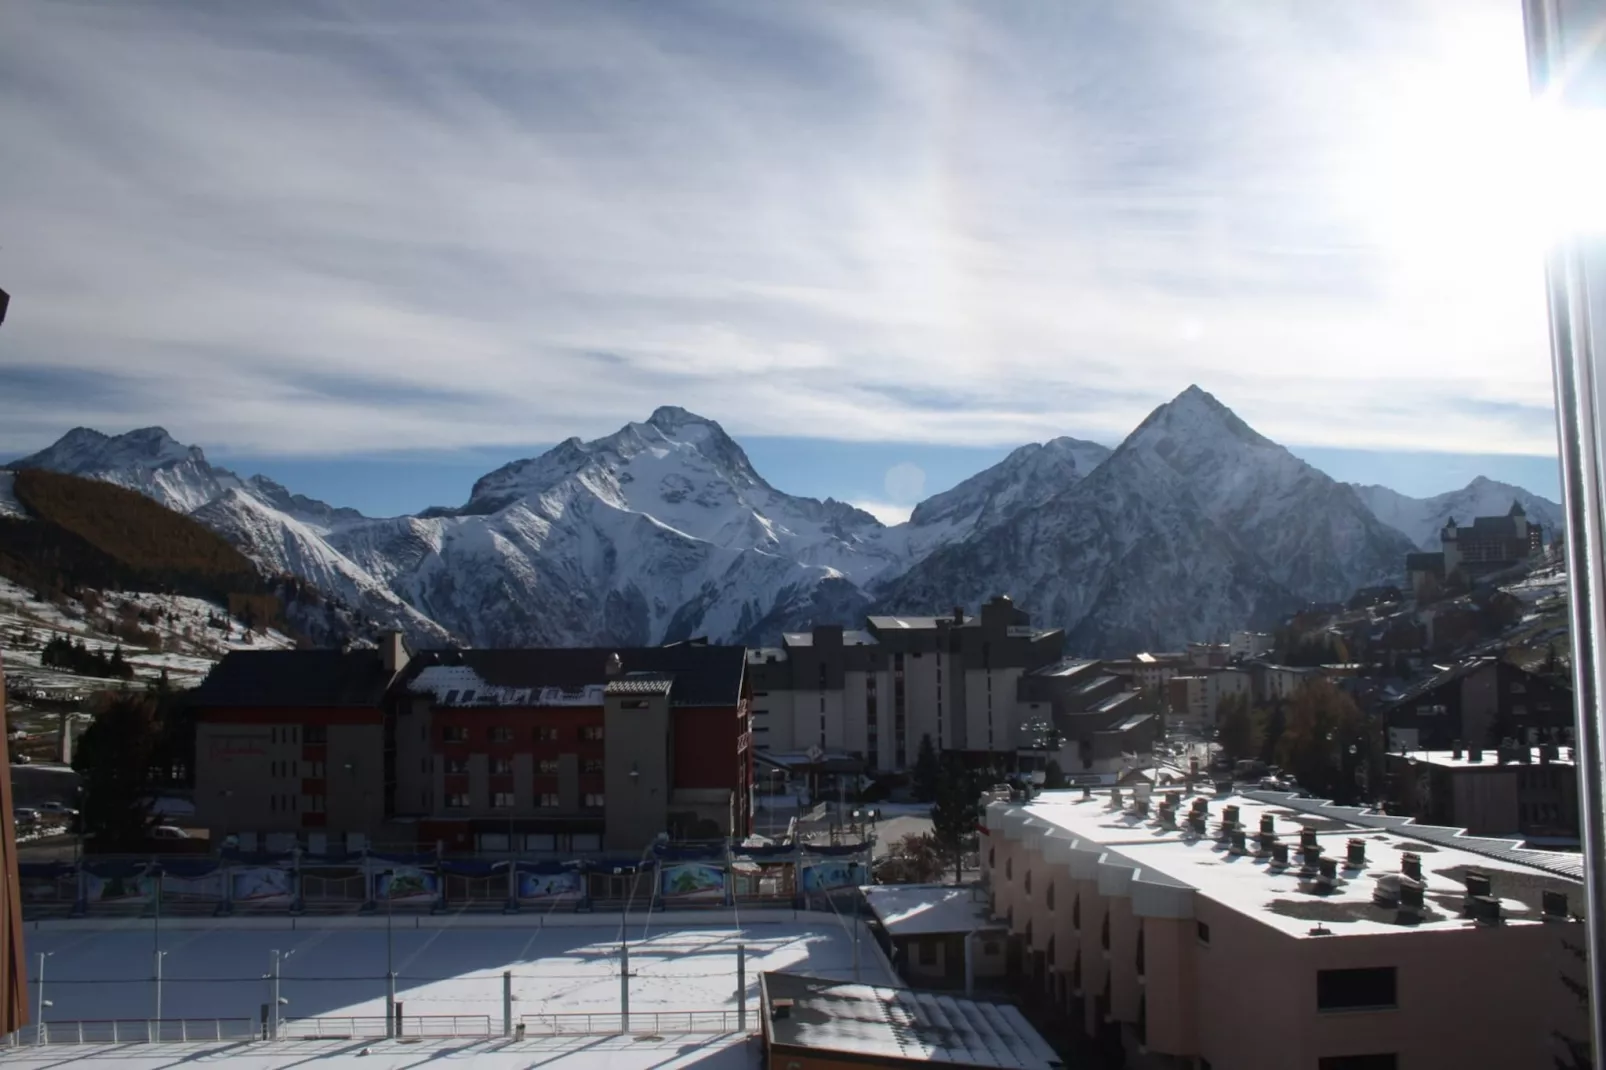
[956, 811]
[927, 772]
[1054, 776]
[114, 760]
[1238, 728]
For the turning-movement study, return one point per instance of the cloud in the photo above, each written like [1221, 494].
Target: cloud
[886, 512]
[905, 482]
[325, 228]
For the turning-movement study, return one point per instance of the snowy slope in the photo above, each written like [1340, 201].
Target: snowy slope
[1194, 526]
[147, 460]
[1421, 519]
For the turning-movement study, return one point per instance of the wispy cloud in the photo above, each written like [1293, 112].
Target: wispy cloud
[326, 227]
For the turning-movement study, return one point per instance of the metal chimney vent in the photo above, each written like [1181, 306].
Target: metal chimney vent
[1477, 884]
[1411, 865]
[1485, 908]
[1386, 893]
[1279, 854]
[1357, 854]
[1307, 838]
[1240, 843]
[1410, 894]
[1268, 825]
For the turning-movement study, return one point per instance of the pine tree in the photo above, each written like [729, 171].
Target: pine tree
[1054, 776]
[114, 759]
[1238, 727]
[957, 810]
[927, 772]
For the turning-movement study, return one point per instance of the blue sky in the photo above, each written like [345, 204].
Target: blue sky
[377, 249]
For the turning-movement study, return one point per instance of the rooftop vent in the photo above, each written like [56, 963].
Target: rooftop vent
[1547, 753]
[1357, 854]
[1327, 875]
[1411, 865]
[780, 1009]
[1309, 857]
[1198, 823]
[1485, 908]
[1115, 799]
[1268, 825]
[1455, 751]
[1168, 816]
[1477, 884]
[1411, 895]
[1229, 816]
[1279, 854]
[1240, 843]
[1553, 905]
[1087, 791]
[1386, 893]
[1307, 838]
[1264, 843]
[1140, 806]
[1223, 787]
[1474, 755]
[1525, 755]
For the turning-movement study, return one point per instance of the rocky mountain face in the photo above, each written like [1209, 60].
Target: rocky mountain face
[1196, 525]
[1421, 519]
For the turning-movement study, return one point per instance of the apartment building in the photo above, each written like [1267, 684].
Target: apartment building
[1194, 697]
[1531, 792]
[1249, 645]
[541, 750]
[1480, 701]
[1185, 930]
[874, 692]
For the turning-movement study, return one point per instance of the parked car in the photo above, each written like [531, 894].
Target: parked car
[25, 815]
[57, 809]
[169, 832]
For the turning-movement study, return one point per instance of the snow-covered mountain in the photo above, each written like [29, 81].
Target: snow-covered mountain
[1421, 519]
[147, 460]
[1194, 526]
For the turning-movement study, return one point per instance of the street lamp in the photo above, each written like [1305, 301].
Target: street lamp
[39, 1018]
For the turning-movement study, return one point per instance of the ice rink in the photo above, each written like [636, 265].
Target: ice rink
[445, 966]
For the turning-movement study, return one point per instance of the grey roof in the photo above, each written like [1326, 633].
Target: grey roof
[1558, 863]
[889, 624]
[897, 1025]
[704, 674]
[1131, 722]
[1425, 562]
[1115, 700]
[850, 637]
[295, 678]
[1448, 676]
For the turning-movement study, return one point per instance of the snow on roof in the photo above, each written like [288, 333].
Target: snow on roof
[1284, 898]
[1115, 700]
[902, 1025]
[1449, 759]
[1065, 667]
[917, 909]
[460, 685]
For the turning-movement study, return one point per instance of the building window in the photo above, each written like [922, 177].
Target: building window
[501, 735]
[454, 734]
[1104, 932]
[591, 765]
[315, 769]
[502, 800]
[547, 767]
[1028, 882]
[456, 766]
[1364, 989]
[1204, 932]
[1048, 897]
[546, 735]
[549, 799]
[316, 803]
[1359, 1062]
[593, 800]
[502, 766]
[457, 800]
[1009, 869]
[927, 952]
[591, 733]
[1076, 912]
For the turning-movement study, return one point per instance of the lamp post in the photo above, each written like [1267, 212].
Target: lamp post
[39, 1017]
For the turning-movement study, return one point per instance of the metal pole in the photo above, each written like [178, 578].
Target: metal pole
[390, 1005]
[970, 967]
[39, 1018]
[741, 988]
[1575, 352]
[624, 987]
[159, 956]
[507, 1003]
[855, 947]
[273, 1010]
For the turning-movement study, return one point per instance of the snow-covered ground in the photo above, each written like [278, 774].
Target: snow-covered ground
[446, 966]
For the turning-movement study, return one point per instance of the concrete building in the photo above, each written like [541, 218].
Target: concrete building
[813, 1023]
[1185, 930]
[554, 750]
[290, 745]
[923, 929]
[1490, 544]
[874, 692]
[1249, 645]
[1193, 698]
[1529, 792]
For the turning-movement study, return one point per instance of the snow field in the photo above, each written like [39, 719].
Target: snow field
[218, 971]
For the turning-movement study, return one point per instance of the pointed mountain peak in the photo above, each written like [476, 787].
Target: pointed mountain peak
[673, 417]
[84, 449]
[1197, 414]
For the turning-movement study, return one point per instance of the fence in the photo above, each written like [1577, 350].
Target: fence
[137, 1031]
[642, 1023]
[372, 1027]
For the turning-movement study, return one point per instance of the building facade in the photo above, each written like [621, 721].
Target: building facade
[1528, 792]
[1480, 702]
[1184, 930]
[554, 750]
[875, 692]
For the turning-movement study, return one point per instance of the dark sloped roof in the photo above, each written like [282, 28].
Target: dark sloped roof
[704, 675]
[1424, 562]
[1495, 527]
[295, 678]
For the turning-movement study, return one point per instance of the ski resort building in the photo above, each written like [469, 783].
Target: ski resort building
[1258, 930]
[1490, 544]
[580, 749]
[874, 692]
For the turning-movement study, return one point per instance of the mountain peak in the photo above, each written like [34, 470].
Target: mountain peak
[673, 417]
[1196, 414]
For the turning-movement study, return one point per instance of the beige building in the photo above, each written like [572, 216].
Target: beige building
[874, 692]
[1196, 696]
[1202, 931]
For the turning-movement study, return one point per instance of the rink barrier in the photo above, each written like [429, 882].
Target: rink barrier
[373, 1027]
[137, 1031]
[685, 919]
[642, 1023]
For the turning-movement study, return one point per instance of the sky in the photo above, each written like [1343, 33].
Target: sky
[377, 249]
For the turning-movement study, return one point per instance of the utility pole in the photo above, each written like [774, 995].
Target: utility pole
[624, 987]
[741, 988]
[39, 1018]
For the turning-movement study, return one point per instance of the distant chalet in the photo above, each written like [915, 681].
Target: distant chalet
[1491, 544]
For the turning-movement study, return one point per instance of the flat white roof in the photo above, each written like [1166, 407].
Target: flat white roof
[920, 909]
[1284, 898]
[1490, 759]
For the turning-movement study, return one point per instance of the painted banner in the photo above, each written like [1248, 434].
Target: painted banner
[549, 885]
[130, 889]
[693, 880]
[823, 876]
[205, 887]
[406, 882]
[259, 884]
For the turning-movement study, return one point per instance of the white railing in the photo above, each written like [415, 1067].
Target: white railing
[137, 1031]
[661, 1023]
[364, 1027]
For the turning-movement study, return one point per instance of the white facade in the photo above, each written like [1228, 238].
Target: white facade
[1249, 644]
